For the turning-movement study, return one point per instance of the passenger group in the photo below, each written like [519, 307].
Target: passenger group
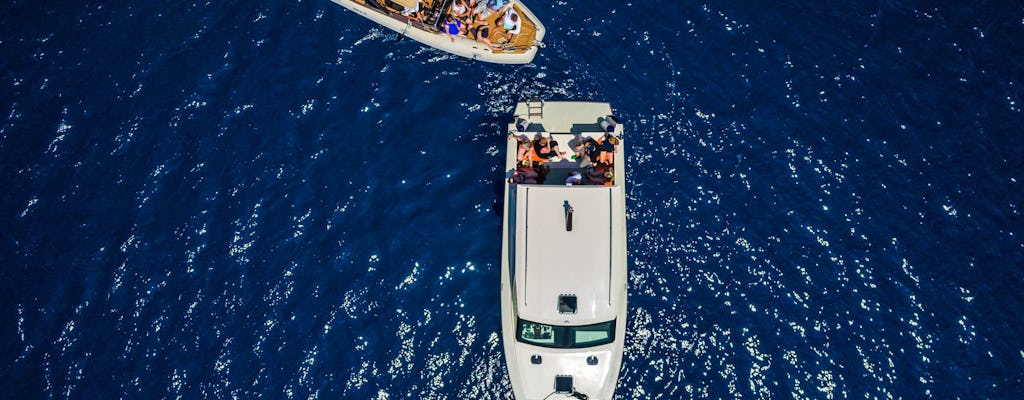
[596, 157]
[469, 17]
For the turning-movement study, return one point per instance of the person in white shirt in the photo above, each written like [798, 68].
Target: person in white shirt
[512, 24]
[575, 179]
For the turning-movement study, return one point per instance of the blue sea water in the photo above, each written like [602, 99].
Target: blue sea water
[281, 200]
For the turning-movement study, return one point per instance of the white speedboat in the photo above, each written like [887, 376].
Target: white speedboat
[425, 25]
[564, 264]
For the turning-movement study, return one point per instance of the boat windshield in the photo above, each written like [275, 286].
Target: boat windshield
[565, 337]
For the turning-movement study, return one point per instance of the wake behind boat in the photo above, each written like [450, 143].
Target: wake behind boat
[496, 31]
[564, 263]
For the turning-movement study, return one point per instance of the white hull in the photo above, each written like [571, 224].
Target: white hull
[529, 380]
[462, 46]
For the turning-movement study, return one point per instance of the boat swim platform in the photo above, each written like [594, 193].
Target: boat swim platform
[564, 116]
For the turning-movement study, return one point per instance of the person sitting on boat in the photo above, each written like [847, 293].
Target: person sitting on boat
[608, 147]
[546, 148]
[452, 26]
[524, 174]
[512, 24]
[486, 8]
[600, 175]
[524, 144]
[587, 152]
[472, 15]
[483, 35]
[542, 172]
[460, 9]
[608, 143]
[574, 179]
[413, 12]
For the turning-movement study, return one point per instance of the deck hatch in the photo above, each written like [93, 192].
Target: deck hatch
[563, 384]
[567, 304]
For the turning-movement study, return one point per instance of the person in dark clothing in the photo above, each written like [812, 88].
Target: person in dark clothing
[546, 148]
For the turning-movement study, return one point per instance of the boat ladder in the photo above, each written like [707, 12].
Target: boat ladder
[535, 108]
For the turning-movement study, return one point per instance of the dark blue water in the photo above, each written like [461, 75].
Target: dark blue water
[280, 200]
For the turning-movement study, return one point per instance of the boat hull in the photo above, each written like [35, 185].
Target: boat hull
[532, 381]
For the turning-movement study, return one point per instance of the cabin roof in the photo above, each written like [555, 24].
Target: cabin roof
[551, 261]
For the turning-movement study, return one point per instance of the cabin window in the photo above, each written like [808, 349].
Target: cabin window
[535, 333]
[593, 335]
[565, 337]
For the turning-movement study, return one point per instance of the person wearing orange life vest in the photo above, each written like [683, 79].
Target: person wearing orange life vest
[601, 175]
